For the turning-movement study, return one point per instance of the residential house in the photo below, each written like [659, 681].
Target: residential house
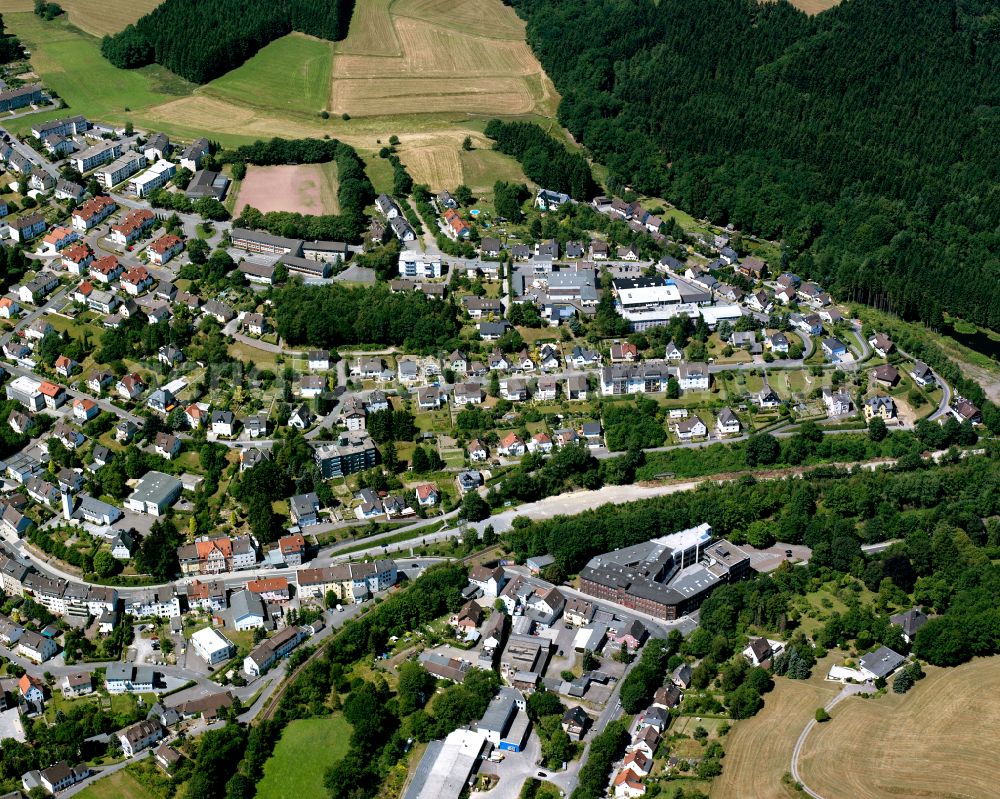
[880, 407]
[136, 222]
[727, 423]
[886, 375]
[139, 736]
[834, 348]
[164, 248]
[922, 375]
[511, 446]
[689, 428]
[882, 345]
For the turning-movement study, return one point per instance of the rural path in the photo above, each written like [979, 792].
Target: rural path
[846, 691]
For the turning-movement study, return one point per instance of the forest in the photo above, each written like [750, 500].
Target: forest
[544, 159]
[332, 315]
[946, 520]
[864, 138]
[201, 41]
[354, 189]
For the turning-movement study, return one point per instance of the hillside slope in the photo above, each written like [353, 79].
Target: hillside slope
[865, 137]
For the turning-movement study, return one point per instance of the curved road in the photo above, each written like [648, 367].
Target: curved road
[848, 690]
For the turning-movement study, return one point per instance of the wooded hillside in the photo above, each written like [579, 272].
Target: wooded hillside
[201, 41]
[865, 137]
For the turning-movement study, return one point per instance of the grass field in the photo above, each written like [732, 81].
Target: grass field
[292, 73]
[69, 61]
[99, 17]
[305, 750]
[759, 750]
[120, 785]
[928, 742]
[425, 70]
[304, 188]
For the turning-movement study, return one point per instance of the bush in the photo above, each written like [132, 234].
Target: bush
[822, 715]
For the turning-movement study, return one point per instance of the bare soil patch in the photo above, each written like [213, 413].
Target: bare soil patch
[303, 188]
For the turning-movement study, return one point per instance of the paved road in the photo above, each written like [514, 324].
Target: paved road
[848, 690]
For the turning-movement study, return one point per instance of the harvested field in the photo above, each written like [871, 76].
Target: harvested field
[813, 7]
[482, 17]
[101, 17]
[930, 742]
[434, 62]
[371, 32]
[759, 750]
[305, 189]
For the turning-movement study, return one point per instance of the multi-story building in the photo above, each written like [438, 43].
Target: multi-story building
[217, 555]
[349, 455]
[132, 226]
[93, 157]
[350, 582]
[665, 577]
[648, 377]
[121, 169]
[153, 178]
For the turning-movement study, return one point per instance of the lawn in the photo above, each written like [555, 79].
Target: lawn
[290, 74]
[306, 749]
[928, 742]
[120, 785]
[70, 63]
[759, 750]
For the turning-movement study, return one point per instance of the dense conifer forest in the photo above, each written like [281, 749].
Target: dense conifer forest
[866, 137]
[203, 40]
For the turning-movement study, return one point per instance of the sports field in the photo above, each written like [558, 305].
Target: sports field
[304, 188]
[759, 750]
[306, 749]
[931, 742]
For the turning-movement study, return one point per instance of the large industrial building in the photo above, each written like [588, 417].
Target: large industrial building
[665, 577]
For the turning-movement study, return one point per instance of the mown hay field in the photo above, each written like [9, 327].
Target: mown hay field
[935, 741]
[290, 74]
[101, 18]
[759, 750]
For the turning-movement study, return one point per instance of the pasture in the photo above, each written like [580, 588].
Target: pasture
[120, 785]
[929, 742]
[303, 188]
[759, 749]
[290, 74]
[306, 749]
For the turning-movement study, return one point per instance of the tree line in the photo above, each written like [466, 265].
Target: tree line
[332, 315]
[827, 132]
[201, 41]
[544, 159]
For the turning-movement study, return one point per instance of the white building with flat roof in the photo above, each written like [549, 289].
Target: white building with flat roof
[212, 646]
[153, 178]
